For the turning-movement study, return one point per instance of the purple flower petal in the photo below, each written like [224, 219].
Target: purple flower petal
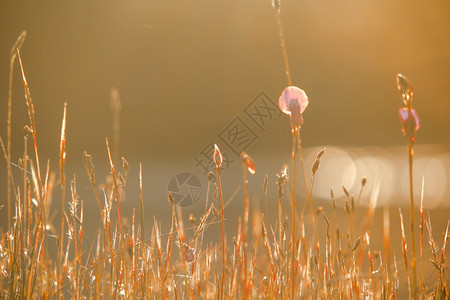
[410, 123]
[404, 114]
[416, 118]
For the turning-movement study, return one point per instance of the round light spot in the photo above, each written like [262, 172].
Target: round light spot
[337, 169]
[375, 169]
[435, 181]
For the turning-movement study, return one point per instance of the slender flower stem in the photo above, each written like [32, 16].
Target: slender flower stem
[295, 133]
[245, 229]
[293, 270]
[295, 137]
[410, 124]
[280, 218]
[141, 198]
[300, 154]
[223, 233]
[283, 47]
[413, 248]
[421, 241]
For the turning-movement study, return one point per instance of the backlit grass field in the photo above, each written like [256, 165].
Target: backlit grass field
[287, 246]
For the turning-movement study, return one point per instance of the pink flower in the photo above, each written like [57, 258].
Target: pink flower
[408, 116]
[293, 102]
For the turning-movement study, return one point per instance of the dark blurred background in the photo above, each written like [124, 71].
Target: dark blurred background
[185, 70]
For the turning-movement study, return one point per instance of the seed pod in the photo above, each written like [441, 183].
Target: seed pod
[356, 244]
[248, 161]
[316, 164]
[346, 192]
[192, 219]
[364, 181]
[332, 198]
[319, 210]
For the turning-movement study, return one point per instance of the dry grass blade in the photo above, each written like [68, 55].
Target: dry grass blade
[8, 165]
[443, 286]
[247, 165]
[116, 191]
[62, 161]
[141, 198]
[268, 250]
[386, 235]
[369, 215]
[202, 223]
[90, 170]
[405, 250]
[31, 116]
[217, 158]
[12, 57]
[421, 226]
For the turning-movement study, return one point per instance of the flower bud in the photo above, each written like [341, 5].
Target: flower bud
[405, 88]
[217, 157]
